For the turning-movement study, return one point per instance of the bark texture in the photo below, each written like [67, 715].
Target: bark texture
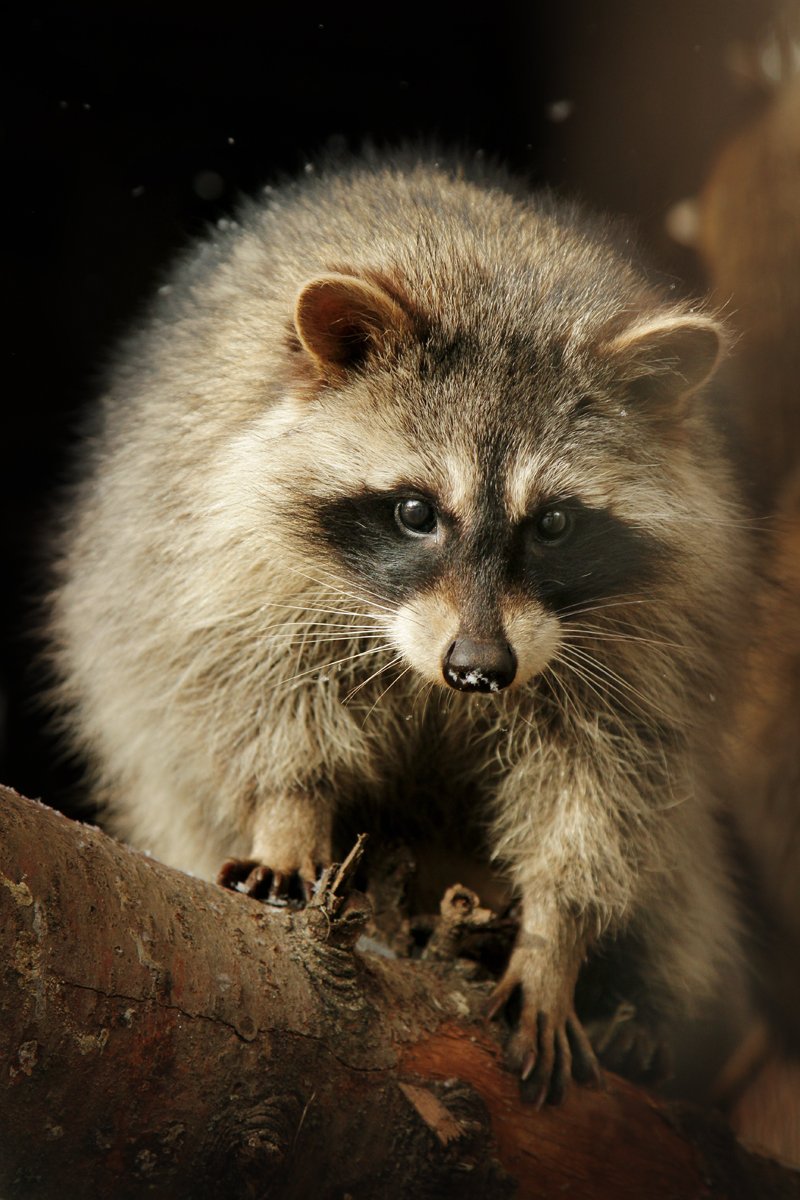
[161, 1037]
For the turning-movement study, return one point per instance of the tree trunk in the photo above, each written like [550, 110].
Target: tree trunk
[162, 1037]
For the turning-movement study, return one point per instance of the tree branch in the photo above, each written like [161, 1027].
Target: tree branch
[160, 1036]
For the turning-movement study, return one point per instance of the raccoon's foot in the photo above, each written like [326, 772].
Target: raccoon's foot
[290, 846]
[549, 1046]
[629, 1044]
[282, 888]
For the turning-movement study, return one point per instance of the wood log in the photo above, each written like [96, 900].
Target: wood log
[162, 1037]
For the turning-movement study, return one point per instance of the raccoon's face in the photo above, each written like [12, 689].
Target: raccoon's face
[478, 595]
[477, 518]
[464, 585]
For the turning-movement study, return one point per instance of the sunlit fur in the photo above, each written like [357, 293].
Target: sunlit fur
[232, 677]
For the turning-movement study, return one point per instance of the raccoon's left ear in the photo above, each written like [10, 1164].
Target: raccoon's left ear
[667, 357]
[340, 318]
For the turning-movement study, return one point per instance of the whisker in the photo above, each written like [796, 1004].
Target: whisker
[363, 682]
[563, 701]
[578, 671]
[311, 642]
[244, 616]
[331, 583]
[581, 607]
[608, 678]
[325, 625]
[313, 608]
[425, 690]
[307, 631]
[385, 690]
[336, 663]
[597, 632]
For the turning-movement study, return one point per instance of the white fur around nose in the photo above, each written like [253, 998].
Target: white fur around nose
[426, 626]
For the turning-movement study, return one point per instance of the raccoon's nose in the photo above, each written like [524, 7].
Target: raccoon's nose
[472, 666]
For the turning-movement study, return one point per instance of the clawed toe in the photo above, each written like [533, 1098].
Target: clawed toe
[547, 1053]
[255, 879]
[562, 1053]
[585, 1067]
[630, 1046]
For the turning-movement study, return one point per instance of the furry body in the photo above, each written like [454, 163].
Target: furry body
[248, 634]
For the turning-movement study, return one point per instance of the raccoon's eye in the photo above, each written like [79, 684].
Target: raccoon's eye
[553, 524]
[416, 517]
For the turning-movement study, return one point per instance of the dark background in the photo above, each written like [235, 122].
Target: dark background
[128, 128]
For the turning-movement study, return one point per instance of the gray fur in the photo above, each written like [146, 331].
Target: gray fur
[198, 613]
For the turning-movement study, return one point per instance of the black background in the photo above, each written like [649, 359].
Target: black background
[128, 128]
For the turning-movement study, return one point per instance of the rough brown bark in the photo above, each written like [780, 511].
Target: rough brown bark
[162, 1037]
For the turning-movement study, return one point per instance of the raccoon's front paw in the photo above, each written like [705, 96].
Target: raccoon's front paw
[549, 1046]
[282, 888]
[630, 1045]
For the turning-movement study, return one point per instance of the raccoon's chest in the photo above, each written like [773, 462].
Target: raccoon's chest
[434, 744]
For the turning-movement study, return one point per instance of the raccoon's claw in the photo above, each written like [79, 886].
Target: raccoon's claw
[553, 1054]
[256, 879]
[631, 1046]
[233, 873]
[546, 1050]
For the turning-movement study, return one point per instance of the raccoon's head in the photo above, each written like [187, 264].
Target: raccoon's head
[482, 480]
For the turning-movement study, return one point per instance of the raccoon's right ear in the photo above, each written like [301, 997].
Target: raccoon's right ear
[340, 318]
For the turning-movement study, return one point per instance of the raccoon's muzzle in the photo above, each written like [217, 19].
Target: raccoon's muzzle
[472, 666]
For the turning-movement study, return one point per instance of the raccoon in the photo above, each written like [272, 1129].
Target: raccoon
[408, 475]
